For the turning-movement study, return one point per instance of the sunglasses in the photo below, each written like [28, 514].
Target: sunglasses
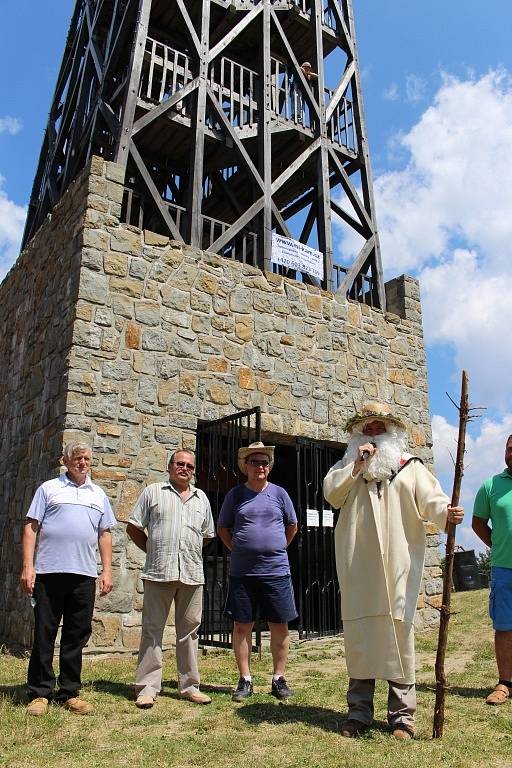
[184, 465]
[258, 462]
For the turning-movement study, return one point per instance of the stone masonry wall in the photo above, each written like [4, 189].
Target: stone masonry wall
[164, 334]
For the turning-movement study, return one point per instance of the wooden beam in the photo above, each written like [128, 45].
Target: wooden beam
[244, 156]
[228, 39]
[306, 86]
[188, 21]
[351, 193]
[165, 106]
[135, 66]
[195, 197]
[357, 266]
[340, 91]
[239, 224]
[154, 192]
[294, 167]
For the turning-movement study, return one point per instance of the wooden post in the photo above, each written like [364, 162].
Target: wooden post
[441, 683]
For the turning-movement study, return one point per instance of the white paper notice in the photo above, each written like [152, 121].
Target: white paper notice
[312, 518]
[295, 255]
[328, 518]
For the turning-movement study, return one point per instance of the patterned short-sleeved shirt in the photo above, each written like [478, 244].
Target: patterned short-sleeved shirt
[175, 530]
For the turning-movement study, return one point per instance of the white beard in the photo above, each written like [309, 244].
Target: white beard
[386, 459]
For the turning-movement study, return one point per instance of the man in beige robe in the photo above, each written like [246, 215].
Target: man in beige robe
[384, 496]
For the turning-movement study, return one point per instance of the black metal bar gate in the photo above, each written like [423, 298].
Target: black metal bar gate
[217, 447]
[300, 468]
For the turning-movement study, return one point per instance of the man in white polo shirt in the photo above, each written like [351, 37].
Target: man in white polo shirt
[69, 517]
[171, 522]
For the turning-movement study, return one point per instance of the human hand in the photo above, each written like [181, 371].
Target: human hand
[28, 579]
[455, 515]
[105, 583]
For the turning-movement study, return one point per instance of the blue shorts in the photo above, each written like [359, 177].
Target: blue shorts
[500, 599]
[269, 598]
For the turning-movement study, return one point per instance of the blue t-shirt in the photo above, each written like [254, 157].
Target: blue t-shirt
[258, 522]
[71, 517]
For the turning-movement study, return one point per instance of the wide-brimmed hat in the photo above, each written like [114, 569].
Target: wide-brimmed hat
[243, 453]
[374, 411]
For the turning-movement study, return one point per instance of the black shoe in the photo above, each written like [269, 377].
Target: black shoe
[280, 689]
[352, 728]
[243, 690]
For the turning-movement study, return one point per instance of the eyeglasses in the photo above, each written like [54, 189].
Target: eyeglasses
[258, 462]
[184, 465]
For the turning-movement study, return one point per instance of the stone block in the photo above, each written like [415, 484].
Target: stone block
[244, 328]
[115, 264]
[132, 336]
[105, 630]
[93, 286]
[218, 364]
[152, 238]
[130, 491]
[218, 393]
[127, 286]
[240, 301]
[188, 383]
[147, 313]
[125, 241]
[246, 378]
[154, 341]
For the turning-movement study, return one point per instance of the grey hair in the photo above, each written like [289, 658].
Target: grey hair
[75, 447]
[180, 450]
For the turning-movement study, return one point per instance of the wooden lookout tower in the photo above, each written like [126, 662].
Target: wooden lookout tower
[225, 135]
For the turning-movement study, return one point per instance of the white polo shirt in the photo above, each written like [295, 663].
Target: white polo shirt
[71, 518]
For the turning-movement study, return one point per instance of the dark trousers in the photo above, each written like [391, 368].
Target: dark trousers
[70, 597]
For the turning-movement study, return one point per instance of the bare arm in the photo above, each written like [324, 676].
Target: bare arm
[28, 546]
[138, 536]
[226, 536]
[482, 530]
[105, 547]
[290, 532]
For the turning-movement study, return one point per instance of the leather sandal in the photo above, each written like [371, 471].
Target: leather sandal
[500, 695]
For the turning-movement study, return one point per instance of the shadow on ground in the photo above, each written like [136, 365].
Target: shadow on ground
[15, 693]
[457, 690]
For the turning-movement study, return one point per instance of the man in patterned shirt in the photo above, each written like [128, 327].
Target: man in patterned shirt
[171, 522]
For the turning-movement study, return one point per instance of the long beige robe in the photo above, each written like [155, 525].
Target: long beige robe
[380, 552]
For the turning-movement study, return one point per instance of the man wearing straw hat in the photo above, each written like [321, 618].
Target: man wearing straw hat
[384, 495]
[256, 523]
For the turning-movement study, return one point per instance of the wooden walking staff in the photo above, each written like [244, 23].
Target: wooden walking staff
[441, 684]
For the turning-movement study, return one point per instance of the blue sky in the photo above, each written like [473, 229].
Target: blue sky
[437, 90]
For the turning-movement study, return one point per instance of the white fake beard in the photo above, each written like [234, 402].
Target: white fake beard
[386, 459]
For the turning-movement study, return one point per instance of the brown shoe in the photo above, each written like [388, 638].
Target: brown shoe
[144, 702]
[352, 728]
[196, 697]
[500, 695]
[37, 707]
[78, 706]
[403, 733]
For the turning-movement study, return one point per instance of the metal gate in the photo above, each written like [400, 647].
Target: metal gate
[217, 472]
[316, 584]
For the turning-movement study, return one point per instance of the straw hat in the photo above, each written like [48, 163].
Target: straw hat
[373, 411]
[244, 453]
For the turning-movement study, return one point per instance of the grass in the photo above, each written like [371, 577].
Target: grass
[264, 732]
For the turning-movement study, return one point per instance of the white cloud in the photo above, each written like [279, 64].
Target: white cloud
[12, 221]
[445, 217]
[415, 88]
[11, 125]
[391, 93]
[485, 448]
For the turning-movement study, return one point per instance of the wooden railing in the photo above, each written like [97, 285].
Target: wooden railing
[243, 247]
[165, 71]
[340, 128]
[236, 89]
[362, 289]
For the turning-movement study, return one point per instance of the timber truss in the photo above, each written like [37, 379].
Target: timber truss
[224, 136]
